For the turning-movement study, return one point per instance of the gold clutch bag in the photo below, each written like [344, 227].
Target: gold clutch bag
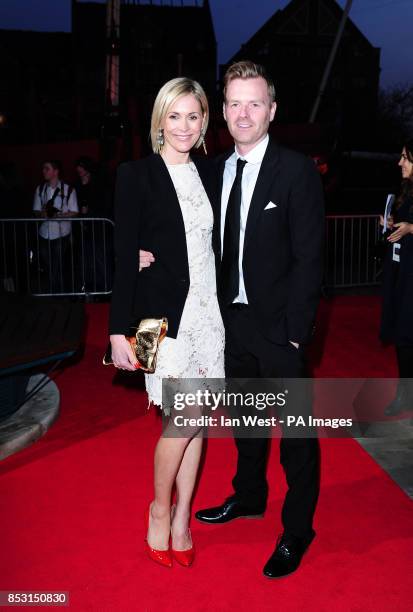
[145, 343]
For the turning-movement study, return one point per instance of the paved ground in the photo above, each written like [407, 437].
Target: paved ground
[393, 450]
[32, 420]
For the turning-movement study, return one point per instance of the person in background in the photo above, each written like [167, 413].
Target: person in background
[329, 178]
[91, 199]
[93, 239]
[397, 311]
[54, 199]
[94, 189]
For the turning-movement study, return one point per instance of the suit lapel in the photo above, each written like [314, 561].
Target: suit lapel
[267, 174]
[162, 183]
[221, 169]
[164, 191]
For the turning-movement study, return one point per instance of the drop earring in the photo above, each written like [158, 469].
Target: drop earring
[204, 145]
[160, 139]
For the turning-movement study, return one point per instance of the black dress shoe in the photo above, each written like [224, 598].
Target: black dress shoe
[228, 511]
[287, 555]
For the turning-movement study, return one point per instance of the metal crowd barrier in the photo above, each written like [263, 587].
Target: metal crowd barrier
[79, 261]
[352, 251]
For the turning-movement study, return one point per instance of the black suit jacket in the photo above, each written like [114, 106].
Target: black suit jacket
[283, 248]
[148, 216]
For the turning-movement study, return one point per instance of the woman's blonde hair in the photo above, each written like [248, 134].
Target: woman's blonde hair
[167, 95]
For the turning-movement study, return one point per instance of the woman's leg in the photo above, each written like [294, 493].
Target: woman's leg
[168, 458]
[185, 483]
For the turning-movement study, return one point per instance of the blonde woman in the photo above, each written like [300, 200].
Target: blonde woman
[163, 204]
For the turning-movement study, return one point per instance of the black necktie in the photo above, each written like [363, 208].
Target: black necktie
[229, 272]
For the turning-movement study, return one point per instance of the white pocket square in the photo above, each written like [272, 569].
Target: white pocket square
[270, 205]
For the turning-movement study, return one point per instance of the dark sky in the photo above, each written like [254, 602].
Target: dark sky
[386, 23]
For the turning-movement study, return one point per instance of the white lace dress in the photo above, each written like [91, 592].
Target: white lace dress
[198, 350]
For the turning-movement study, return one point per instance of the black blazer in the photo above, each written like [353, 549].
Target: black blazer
[283, 248]
[396, 318]
[148, 216]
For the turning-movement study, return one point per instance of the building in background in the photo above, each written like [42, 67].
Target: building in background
[36, 86]
[158, 41]
[294, 46]
[53, 84]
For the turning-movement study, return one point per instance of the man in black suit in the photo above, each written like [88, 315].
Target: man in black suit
[269, 237]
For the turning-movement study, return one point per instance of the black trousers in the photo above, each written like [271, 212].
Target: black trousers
[405, 364]
[405, 361]
[249, 354]
[53, 257]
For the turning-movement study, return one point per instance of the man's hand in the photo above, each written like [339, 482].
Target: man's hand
[122, 354]
[146, 258]
[68, 213]
[40, 214]
[403, 228]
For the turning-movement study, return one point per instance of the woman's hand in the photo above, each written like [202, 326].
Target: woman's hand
[122, 353]
[403, 228]
[390, 221]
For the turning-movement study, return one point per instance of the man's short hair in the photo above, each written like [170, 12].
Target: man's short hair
[86, 163]
[248, 70]
[55, 163]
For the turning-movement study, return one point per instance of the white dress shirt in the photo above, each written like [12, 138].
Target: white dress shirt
[249, 179]
[50, 230]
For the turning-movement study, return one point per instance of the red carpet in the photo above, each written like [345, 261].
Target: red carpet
[72, 504]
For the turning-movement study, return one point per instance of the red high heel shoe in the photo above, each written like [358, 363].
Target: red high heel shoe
[184, 557]
[163, 557]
